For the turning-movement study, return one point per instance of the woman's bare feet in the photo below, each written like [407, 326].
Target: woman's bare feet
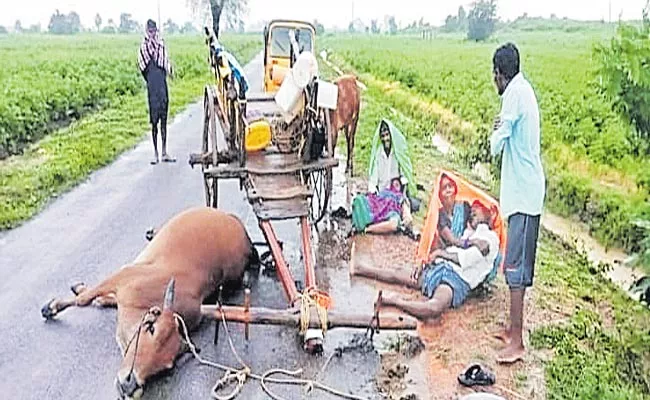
[511, 354]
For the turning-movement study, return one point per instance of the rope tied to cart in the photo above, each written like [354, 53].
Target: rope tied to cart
[240, 376]
[312, 297]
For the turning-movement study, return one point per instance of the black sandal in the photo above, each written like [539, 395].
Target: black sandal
[476, 375]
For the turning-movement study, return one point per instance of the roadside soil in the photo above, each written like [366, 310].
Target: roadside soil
[451, 343]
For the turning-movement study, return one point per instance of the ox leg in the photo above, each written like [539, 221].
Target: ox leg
[110, 300]
[104, 293]
[334, 129]
[351, 133]
[347, 159]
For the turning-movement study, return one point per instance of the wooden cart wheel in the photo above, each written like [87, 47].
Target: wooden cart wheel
[211, 185]
[321, 182]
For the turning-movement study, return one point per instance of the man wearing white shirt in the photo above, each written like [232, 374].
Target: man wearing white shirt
[516, 136]
[448, 280]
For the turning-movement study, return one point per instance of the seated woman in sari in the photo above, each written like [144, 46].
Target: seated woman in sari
[453, 215]
[384, 212]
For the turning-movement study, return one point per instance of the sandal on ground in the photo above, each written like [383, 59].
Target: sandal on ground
[476, 375]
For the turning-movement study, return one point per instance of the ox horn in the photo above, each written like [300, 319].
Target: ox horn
[169, 295]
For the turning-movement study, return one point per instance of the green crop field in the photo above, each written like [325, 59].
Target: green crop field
[592, 169]
[49, 80]
[71, 104]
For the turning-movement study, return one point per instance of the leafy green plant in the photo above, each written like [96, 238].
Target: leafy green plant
[642, 258]
[624, 76]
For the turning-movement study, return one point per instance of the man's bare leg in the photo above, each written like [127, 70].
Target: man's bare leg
[423, 310]
[154, 137]
[399, 276]
[389, 226]
[515, 349]
[163, 133]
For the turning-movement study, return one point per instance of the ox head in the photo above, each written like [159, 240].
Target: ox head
[152, 349]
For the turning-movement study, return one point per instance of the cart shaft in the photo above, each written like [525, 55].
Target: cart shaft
[283, 270]
[269, 316]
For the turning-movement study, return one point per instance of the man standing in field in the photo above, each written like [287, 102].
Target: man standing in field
[153, 61]
[517, 135]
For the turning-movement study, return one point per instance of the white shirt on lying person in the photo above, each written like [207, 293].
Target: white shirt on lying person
[386, 169]
[474, 266]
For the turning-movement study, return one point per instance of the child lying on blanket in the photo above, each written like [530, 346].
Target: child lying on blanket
[449, 277]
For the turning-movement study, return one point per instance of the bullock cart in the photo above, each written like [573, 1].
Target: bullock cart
[288, 176]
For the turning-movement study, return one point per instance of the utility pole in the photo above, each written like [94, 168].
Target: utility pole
[610, 11]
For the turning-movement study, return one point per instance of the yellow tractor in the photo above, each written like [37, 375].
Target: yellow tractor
[284, 40]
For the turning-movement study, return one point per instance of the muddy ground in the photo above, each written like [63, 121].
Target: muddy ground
[451, 343]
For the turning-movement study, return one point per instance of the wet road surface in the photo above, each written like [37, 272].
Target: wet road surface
[91, 231]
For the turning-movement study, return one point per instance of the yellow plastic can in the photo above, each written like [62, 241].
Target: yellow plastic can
[258, 135]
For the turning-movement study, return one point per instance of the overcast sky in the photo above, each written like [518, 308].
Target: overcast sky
[329, 12]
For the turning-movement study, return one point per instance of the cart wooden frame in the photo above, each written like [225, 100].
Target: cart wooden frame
[279, 184]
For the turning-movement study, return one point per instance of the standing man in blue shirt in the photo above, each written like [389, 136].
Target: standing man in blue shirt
[516, 136]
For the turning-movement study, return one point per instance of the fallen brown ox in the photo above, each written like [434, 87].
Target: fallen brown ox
[346, 115]
[193, 254]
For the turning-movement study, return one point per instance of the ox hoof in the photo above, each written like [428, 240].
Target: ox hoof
[77, 288]
[47, 311]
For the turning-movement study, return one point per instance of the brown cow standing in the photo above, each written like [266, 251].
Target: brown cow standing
[346, 115]
[193, 254]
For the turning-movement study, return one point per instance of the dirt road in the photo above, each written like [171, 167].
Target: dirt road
[93, 230]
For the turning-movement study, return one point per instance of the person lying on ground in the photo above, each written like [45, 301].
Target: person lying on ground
[384, 212]
[449, 278]
[389, 159]
[453, 216]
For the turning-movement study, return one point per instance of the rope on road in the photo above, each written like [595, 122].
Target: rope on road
[240, 375]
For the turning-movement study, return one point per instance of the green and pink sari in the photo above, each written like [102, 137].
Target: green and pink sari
[368, 209]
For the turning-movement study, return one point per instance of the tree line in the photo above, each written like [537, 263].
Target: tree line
[69, 24]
